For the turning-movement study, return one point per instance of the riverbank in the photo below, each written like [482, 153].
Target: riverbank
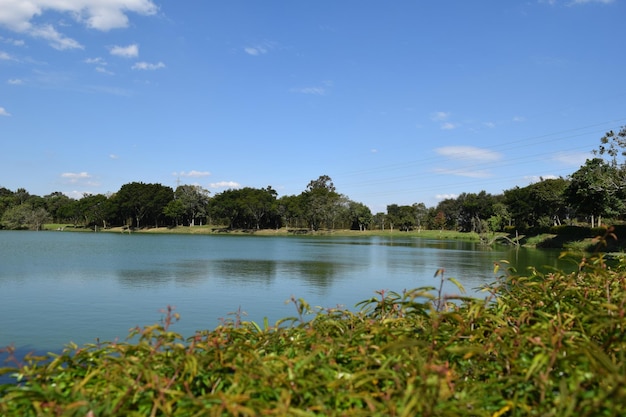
[222, 230]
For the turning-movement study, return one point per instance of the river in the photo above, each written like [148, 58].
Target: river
[57, 287]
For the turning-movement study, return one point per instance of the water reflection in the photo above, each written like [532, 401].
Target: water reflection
[57, 287]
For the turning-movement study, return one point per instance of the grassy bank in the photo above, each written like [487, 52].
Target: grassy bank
[537, 345]
[222, 230]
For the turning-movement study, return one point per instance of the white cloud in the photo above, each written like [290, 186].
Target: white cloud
[5, 56]
[538, 178]
[103, 70]
[17, 15]
[316, 91]
[468, 153]
[74, 177]
[574, 159]
[439, 116]
[113, 156]
[147, 66]
[446, 196]
[519, 118]
[225, 184]
[465, 172]
[490, 125]
[448, 126]
[592, 1]
[130, 51]
[15, 81]
[255, 51]
[3, 112]
[259, 49]
[14, 42]
[95, 61]
[192, 173]
[54, 38]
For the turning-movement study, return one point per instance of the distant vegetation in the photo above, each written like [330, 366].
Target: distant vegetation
[594, 194]
[537, 345]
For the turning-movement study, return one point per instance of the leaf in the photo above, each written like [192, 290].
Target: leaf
[458, 285]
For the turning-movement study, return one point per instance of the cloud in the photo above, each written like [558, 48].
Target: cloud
[74, 177]
[446, 196]
[14, 42]
[103, 15]
[259, 49]
[144, 66]
[225, 184]
[465, 172]
[54, 38]
[113, 156]
[255, 50]
[95, 61]
[3, 112]
[439, 116]
[468, 153]
[519, 118]
[192, 173]
[575, 159]
[591, 1]
[5, 56]
[316, 91]
[130, 51]
[538, 178]
[15, 81]
[448, 126]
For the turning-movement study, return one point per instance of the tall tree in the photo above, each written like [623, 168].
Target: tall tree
[138, 201]
[194, 200]
[320, 202]
[592, 191]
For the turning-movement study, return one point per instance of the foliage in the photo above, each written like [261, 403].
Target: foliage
[538, 345]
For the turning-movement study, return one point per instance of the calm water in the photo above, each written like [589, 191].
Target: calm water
[57, 287]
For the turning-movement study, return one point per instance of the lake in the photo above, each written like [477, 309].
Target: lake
[57, 287]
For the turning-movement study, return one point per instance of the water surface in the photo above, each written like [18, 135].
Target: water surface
[57, 287]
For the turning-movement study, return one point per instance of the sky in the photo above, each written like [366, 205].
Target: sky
[399, 102]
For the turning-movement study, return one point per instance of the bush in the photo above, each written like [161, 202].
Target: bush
[537, 345]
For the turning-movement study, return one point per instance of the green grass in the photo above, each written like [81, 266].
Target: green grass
[217, 229]
[536, 345]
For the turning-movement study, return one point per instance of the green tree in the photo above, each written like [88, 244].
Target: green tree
[291, 210]
[360, 215]
[24, 216]
[321, 202]
[137, 201]
[592, 191]
[194, 200]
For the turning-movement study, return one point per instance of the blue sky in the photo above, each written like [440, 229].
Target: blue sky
[397, 101]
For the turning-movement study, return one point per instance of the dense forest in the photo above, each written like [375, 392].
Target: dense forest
[595, 192]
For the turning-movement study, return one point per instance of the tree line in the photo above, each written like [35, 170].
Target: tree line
[596, 191]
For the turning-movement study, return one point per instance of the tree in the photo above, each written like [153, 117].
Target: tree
[291, 210]
[592, 191]
[260, 203]
[360, 215]
[137, 201]
[175, 210]
[614, 145]
[194, 200]
[24, 216]
[320, 202]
